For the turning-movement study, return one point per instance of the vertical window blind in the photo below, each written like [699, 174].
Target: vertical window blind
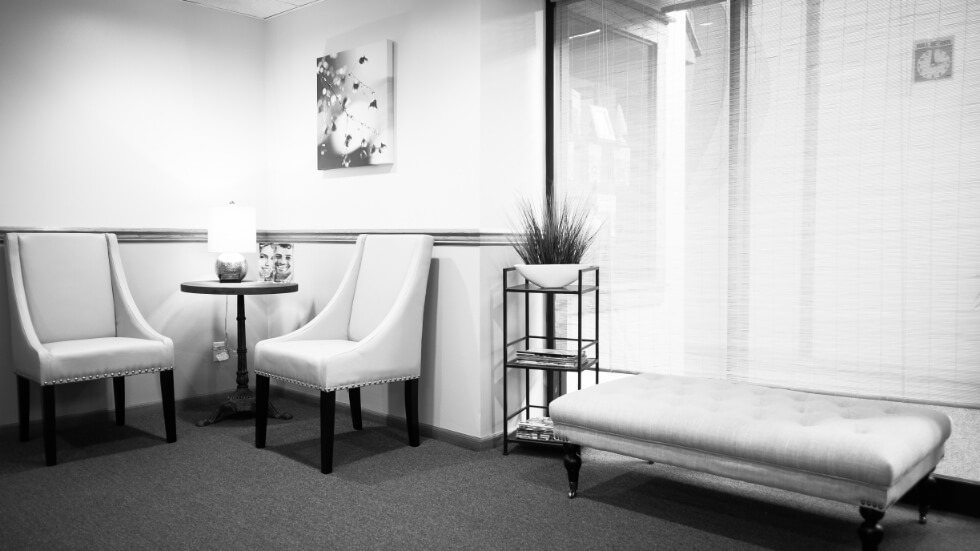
[790, 189]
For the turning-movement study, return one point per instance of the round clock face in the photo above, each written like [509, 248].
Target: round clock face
[933, 63]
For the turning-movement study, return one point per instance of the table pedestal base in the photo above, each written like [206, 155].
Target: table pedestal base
[240, 401]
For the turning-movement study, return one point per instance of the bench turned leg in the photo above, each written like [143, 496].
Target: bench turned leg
[924, 491]
[870, 531]
[573, 462]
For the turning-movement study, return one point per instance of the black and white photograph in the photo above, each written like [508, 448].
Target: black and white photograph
[276, 262]
[572, 275]
[355, 107]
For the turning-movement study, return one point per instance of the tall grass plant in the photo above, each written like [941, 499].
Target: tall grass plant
[558, 232]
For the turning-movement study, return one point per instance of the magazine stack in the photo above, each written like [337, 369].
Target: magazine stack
[549, 357]
[536, 428]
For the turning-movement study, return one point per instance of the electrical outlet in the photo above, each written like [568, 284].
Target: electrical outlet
[219, 351]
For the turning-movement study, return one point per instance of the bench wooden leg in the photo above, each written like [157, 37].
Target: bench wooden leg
[870, 531]
[924, 492]
[573, 462]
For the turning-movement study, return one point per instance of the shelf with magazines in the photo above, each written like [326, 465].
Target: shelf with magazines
[554, 356]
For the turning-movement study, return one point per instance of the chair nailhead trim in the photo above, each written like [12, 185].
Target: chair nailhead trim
[344, 387]
[106, 375]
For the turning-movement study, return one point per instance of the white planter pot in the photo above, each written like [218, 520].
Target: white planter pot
[550, 275]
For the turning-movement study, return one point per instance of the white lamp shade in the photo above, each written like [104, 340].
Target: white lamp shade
[231, 229]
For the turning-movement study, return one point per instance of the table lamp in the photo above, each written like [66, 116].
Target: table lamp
[231, 232]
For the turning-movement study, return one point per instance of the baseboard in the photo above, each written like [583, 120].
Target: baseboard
[951, 494]
[956, 495]
[464, 441]
[78, 420]
[74, 421]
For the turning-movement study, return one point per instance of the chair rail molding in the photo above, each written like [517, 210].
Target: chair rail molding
[457, 238]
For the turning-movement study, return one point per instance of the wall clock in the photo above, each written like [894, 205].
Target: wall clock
[933, 59]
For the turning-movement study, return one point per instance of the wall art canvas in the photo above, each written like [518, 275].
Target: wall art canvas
[355, 107]
[276, 262]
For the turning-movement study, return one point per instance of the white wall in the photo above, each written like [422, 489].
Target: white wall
[434, 182]
[512, 152]
[186, 108]
[136, 114]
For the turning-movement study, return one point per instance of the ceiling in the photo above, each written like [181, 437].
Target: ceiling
[259, 9]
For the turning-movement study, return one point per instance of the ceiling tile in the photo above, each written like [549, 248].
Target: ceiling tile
[259, 9]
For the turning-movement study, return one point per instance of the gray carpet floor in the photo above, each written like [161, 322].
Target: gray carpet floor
[125, 488]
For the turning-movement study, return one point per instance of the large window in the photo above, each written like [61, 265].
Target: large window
[785, 200]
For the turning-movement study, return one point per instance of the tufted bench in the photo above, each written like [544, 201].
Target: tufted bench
[857, 451]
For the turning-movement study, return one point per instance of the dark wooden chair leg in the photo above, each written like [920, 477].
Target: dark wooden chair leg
[24, 407]
[169, 407]
[573, 462]
[924, 492]
[261, 409]
[328, 402]
[870, 531]
[412, 411]
[355, 407]
[119, 398]
[47, 414]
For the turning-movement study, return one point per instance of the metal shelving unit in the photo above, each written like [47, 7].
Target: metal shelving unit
[588, 349]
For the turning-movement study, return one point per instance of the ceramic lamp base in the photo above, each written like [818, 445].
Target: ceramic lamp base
[231, 267]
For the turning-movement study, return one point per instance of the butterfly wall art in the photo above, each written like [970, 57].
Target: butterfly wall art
[355, 107]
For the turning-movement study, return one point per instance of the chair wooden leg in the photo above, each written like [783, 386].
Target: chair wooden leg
[24, 408]
[169, 408]
[261, 409]
[355, 407]
[119, 398]
[328, 401]
[412, 411]
[47, 413]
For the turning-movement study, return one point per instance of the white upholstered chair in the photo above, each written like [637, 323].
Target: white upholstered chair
[369, 333]
[72, 318]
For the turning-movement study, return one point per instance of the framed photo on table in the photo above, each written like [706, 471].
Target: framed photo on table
[276, 262]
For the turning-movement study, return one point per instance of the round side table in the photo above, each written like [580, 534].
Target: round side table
[242, 400]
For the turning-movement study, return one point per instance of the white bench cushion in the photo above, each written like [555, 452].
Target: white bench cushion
[859, 451]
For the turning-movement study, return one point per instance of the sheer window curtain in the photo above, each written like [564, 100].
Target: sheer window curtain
[823, 233]
[656, 173]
